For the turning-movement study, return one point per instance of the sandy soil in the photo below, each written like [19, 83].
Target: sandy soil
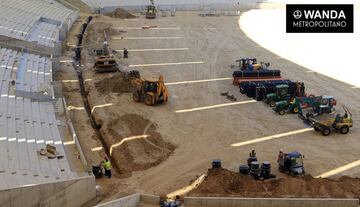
[222, 182]
[200, 136]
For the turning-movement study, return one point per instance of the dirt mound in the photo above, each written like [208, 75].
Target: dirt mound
[114, 84]
[221, 182]
[141, 145]
[94, 36]
[121, 14]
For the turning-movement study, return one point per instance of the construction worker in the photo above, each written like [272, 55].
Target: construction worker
[281, 155]
[252, 153]
[171, 203]
[126, 53]
[107, 166]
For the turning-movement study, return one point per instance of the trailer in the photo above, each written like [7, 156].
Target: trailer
[294, 89]
[262, 74]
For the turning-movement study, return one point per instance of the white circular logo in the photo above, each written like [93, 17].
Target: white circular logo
[297, 14]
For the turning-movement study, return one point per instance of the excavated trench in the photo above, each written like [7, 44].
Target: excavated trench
[141, 153]
[84, 95]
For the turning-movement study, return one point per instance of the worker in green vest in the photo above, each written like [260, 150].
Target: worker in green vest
[107, 166]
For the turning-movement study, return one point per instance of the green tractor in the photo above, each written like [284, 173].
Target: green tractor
[281, 94]
[290, 105]
[319, 105]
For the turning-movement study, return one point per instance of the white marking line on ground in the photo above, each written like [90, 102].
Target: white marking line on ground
[75, 108]
[165, 64]
[127, 139]
[66, 61]
[69, 81]
[197, 81]
[147, 38]
[95, 149]
[75, 81]
[276, 136]
[188, 188]
[69, 143]
[155, 28]
[355, 87]
[28, 185]
[101, 106]
[310, 71]
[155, 49]
[214, 106]
[339, 169]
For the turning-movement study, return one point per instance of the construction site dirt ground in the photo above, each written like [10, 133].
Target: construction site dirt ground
[194, 127]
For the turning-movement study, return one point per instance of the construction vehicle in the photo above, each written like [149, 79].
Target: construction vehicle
[105, 60]
[292, 163]
[148, 91]
[250, 64]
[150, 11]
[339, 123]
[318, 104]
[325, 105]
[282, 93]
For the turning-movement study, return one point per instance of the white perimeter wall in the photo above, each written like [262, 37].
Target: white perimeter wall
[71, 193]
[137, 5]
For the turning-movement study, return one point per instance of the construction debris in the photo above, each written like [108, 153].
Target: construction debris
[228, 96]
[50, 152]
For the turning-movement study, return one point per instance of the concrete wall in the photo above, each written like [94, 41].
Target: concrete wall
[74, 136]
[135, 199]
[188, 5]
[150, 199]
[128, 201]
[132, 201]
[71, 193]
[30, 47]
[269, 202]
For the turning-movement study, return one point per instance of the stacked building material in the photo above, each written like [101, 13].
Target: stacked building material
[263, 74]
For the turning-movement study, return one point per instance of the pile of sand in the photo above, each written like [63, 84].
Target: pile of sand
[221, 182]
[137, 152]
[121, 14]
[94, 36]
[114, 84]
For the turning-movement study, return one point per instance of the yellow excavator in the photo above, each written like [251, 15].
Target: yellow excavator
[105, 60]
[151, 92]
